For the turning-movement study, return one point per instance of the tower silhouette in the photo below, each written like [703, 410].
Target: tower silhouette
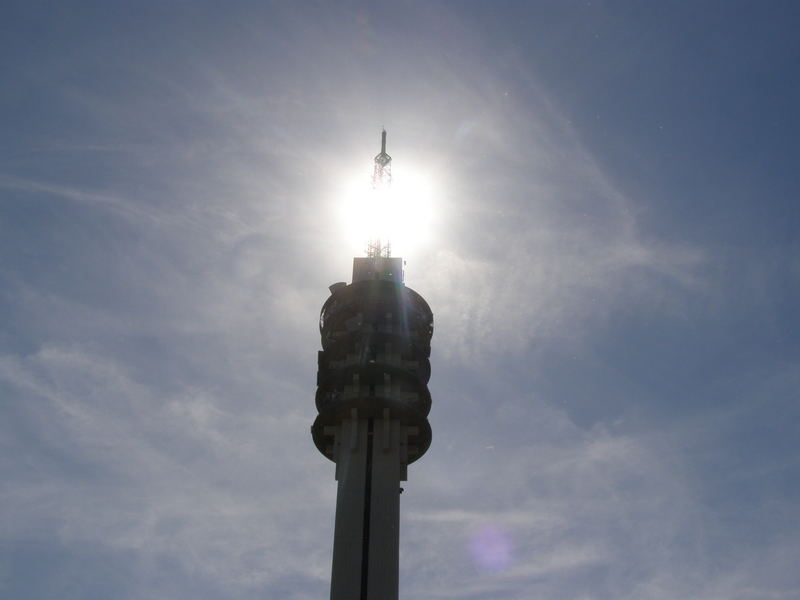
[373, 402]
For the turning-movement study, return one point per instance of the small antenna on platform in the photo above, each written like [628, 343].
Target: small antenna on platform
[382, 175]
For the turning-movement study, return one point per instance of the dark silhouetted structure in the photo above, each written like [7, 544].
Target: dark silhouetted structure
[373, 403]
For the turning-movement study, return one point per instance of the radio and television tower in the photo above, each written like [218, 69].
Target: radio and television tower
[373, 402]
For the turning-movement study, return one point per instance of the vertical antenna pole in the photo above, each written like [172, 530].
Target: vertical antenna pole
[381, 181]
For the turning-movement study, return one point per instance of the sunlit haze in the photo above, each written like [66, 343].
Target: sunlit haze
[402, 214]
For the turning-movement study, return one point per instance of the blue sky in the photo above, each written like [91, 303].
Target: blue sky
[613, 273]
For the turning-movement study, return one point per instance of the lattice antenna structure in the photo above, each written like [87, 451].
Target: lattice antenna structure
[381, 182]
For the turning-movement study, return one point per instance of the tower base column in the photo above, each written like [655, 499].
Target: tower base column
[371, 458]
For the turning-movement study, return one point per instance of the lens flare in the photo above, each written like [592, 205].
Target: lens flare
[491, 549]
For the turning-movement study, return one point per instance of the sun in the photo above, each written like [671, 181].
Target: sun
[400, 215]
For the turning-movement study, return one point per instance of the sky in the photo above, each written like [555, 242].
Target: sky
[612, 262]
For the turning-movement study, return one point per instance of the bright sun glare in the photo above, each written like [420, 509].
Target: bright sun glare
[401, 215]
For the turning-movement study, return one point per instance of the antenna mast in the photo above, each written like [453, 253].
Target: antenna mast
[381, 182]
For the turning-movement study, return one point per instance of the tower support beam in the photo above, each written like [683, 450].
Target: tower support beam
[370, 465]
[348, 537]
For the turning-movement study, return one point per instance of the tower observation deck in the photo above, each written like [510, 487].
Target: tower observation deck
[373, 403]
